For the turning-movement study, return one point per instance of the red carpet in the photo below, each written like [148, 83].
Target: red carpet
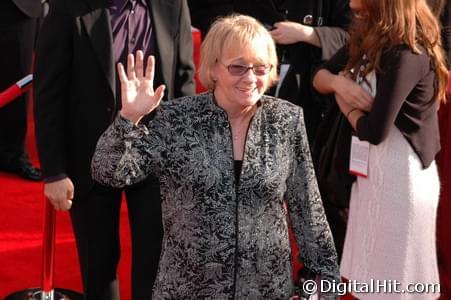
[21, 224]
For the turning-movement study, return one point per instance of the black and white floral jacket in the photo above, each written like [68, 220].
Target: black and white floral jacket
[224, 239]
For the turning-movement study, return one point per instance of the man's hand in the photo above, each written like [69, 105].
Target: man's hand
[60, 193]
[288, 32]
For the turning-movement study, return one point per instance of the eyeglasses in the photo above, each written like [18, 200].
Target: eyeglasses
[240, 70]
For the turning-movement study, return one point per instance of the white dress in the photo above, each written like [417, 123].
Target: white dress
[392, 215]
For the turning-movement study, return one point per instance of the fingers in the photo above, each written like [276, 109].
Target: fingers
[60, 194]
[159, 93]
[135, 69]
[139, 64]
[367, 104]
[354, 94]
[276, 32]
[150, 68]
[121, 72]
[70, 192]
[363, 100]
[131, 67]
[61, 204]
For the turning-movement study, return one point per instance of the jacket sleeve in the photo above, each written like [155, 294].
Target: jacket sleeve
[332, 39]
[311, 230]
[400, 74]
[51, 80]
[337, 62]
[184, 67]
[333, 35]
[126, 154]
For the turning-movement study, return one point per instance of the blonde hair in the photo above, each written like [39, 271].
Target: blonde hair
[383, 24]
[239, 32]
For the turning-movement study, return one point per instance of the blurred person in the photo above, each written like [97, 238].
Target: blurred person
[307, 33]
[76, 99]
[442, 9]
[227, 159]
[395, 56]
[18, 25]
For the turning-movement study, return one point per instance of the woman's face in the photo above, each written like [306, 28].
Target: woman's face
[237, 90]
[355, 4]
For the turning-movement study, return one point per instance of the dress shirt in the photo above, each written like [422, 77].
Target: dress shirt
[131, 25]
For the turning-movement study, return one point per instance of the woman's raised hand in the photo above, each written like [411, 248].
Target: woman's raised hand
[138, 95]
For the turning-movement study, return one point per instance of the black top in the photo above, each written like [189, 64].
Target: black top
[405, 90]
[238, 164]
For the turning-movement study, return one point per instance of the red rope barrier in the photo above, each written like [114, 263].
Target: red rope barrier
[16, 90]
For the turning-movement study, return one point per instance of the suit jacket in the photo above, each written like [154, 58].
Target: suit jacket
[204, 12]
[75, 79]
[31, 8]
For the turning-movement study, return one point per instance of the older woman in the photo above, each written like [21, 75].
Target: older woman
[227, 160]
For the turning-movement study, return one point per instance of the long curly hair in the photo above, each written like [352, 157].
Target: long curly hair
[383, 24]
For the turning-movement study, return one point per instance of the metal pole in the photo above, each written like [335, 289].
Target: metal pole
[48, 251]
[47, 291]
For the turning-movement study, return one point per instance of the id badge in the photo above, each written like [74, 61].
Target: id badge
[358, 161]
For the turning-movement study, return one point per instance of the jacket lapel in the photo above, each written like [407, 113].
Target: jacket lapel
[98, 27]
[165, 26]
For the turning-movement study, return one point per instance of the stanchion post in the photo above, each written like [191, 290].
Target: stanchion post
[48, 251]
[47, 291]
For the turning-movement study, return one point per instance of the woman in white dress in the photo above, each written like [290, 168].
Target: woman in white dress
[388, 82]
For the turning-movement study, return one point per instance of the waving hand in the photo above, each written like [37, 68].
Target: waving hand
[138, 95]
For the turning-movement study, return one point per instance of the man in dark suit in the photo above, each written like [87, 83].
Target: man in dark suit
[18, 19]
[77, 97]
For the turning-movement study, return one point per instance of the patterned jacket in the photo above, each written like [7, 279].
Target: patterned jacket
[224, 239]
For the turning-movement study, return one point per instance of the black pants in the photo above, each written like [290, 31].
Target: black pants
[95, 220]
[17, 37]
